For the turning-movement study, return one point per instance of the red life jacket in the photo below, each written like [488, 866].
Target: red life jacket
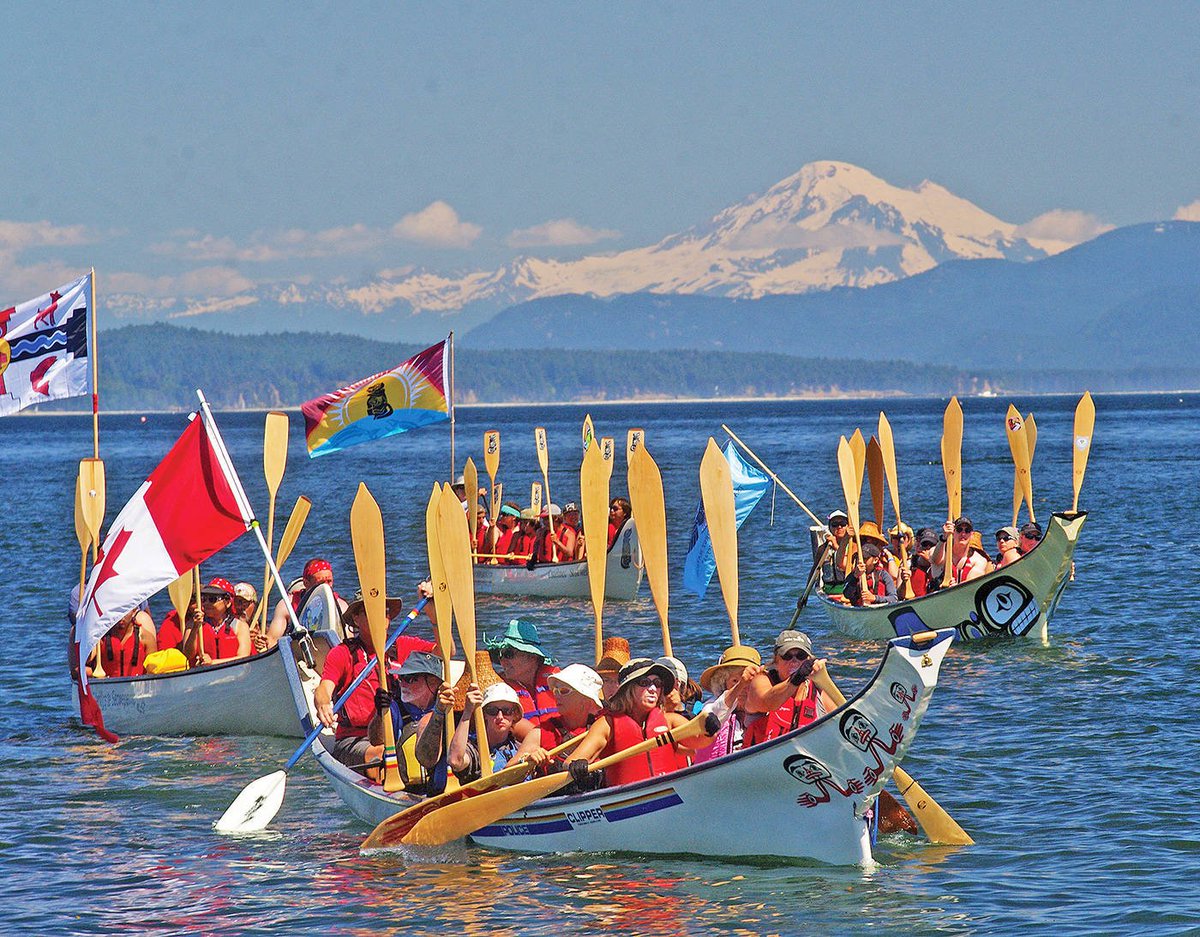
[625, 733]
[537, 702]
[224, 639]
[123, 658]
[169, 634]
[504, 542]
[791, 715]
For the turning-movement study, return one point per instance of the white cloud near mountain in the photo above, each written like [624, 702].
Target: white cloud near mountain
[561, 232]
[776, 234]
[1063, 225]
[1188, 212]
[437, 225]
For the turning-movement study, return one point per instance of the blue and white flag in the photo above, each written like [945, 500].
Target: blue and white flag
[749, 485]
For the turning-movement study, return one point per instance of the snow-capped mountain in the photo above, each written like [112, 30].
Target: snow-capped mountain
[831, 224]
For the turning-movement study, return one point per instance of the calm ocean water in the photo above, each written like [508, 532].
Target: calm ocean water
[1072, 765]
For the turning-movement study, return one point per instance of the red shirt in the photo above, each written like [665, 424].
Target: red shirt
[341, 667]
[169, 634]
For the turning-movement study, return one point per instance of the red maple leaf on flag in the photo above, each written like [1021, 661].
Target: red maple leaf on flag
[107, 563]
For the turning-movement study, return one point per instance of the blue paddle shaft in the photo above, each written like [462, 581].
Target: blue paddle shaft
[363, 674]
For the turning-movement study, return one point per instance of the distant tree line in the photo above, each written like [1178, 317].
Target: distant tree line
[158, 367]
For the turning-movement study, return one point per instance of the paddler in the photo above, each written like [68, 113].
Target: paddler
[526, 667]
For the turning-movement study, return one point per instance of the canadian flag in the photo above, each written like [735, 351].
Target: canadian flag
[182, 514]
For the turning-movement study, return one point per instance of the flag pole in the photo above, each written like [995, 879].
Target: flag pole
[453, 466]
[95, 376]
[239, 494]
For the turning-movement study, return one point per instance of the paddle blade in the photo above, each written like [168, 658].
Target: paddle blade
[593, 491]
[437, 578]
[535, 497]
[938, 825]
[543, 454]
[455, 546]
[460, 819]
[491, 453]
[1085, 422]
[716, 493]
[180, 592]
[275, 443]
[858, 446]
[255, 806]
[887, 448]
[91, 475]
[650, 513]
[291, 533]
[608, 449]
[589, 432]
[471, 481]
[82, 534]
[634, 440]
[1018, 445]
[848, 473]
[875, 478]
[952, 432]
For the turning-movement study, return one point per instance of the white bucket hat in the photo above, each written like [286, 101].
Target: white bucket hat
[583, 680]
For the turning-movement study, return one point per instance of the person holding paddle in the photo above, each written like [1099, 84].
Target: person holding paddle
[501, 713]
[127, 644]
[632, 716]
[316, 571]
[968, 560]
[419, 701]
[526, 668]
[786, 692]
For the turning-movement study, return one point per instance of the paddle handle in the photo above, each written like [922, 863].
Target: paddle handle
[355, 683]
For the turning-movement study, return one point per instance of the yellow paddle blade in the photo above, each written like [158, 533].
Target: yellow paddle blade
[471, 481]
[491, 453]
[952, 433]
[370, 558]
[543, 454]
[291, 533]
[437, 578]
[180, 592]
[464, 817]
[593, 492]
[535, 497]
[1018, 444]
[81, 528]
[720, 513]
[875, 478]
[92, 486]
[938, 825]
[858, 446]
[589, 432]
[634, 439]
[650, 514]
[275, 443]
[608, 448]
[887, 448]
[1085, 422]
[455, 546]
[849, 474]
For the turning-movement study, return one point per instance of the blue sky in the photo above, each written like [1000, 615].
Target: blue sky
[200, 147]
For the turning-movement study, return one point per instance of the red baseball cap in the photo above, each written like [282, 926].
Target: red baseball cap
[217, 584]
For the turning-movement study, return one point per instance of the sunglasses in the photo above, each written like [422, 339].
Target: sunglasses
[410, 677]
[834, 525]
[509, 653]
[209, 599]
[1001, 538]
[493, 711]
[646, 682]
[559, 690]
[794, 654]
[963, 529]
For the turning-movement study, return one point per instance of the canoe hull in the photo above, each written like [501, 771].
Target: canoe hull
[817, 782]
[1018, 599]
[253, 696]
[622, 578]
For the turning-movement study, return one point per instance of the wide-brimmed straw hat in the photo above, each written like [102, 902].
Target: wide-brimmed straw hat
[739, 656]
[485, 676]
[613, 656]
[869, 530]
[393, 604]
[643, 667]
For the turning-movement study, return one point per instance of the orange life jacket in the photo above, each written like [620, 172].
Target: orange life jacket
[791, 715]
[625, 733]
[123, 657]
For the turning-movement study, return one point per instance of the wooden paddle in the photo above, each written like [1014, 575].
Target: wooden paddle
[608, 448]
[1031, 441]
[442, 605]
[1085, 423]
[858, 446]
[875, 479]
[593, 493]
[394, 830]
[91, 488]
[84, 536]
[535, 498]
[952, 430]
[589, 432]
[465, 817]
[720, 513]
[491, 461]
[287, 542]
[650, 513]
[851, 489]
[193, 637]
[370, 559]
[471, 481]
[543, 454]
[180, 592]
[887, 449]
[456, 562]
[1018, 445]
[938, 825]
[634, 440]
[275, 443]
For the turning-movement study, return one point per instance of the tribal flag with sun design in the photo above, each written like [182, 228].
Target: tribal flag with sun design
[411, 395]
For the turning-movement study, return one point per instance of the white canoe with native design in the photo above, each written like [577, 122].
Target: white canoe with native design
[817, 784]
[1018, 599]
[623, 574]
